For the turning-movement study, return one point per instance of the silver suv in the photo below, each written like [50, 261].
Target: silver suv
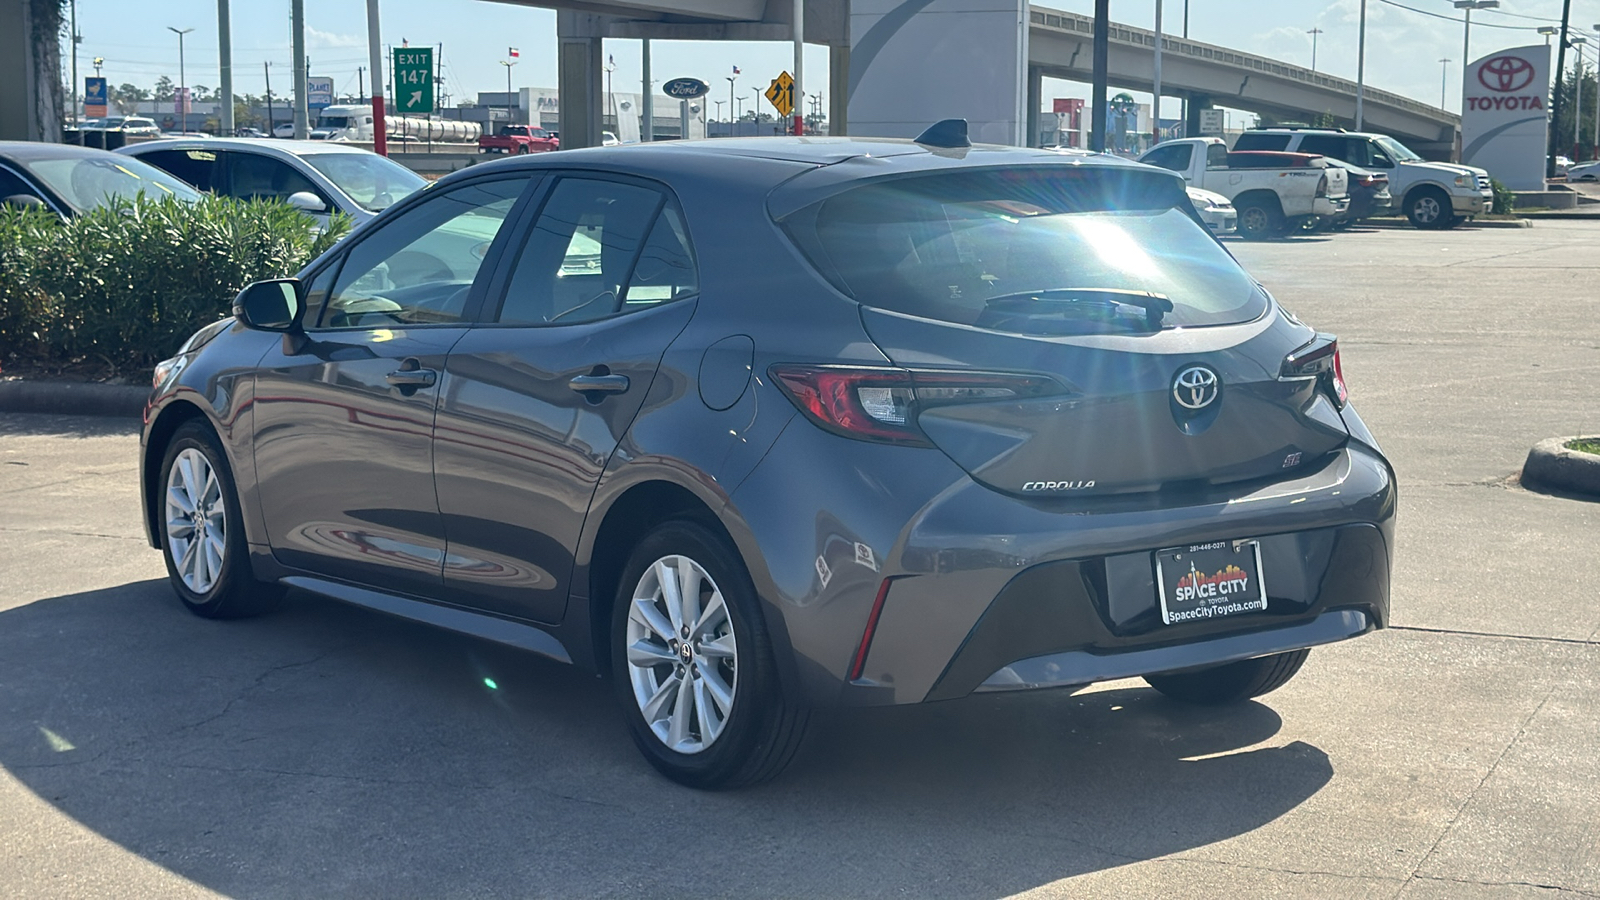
[1431, 194]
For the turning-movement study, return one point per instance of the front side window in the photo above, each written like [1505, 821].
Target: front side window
[1175, 157]
[583, 249]
[87, 182]
[1040, 250]
[418, 268]
[198, 167]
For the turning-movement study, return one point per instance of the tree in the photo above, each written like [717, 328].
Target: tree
[199, 93]
[1563, 142]
[126, 98]
[164, 89]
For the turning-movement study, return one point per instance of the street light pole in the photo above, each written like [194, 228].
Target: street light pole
[1596, 146]
[1314, 32]
[1361, 65]
[1467, 6]
[1097, 88]
[225, 122]
[182, 81]
[1555, 98]
[1155, 101]
[508, 63]
[1577, 97]
[733, 106]
[1444, 69]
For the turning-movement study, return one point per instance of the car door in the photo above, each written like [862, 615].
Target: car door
[536, 399]
[343, 428]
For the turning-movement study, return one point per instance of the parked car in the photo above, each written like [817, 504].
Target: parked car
[1369, 194]
[1584, 171]
[609, 139]
[1563, 166]
[1215, 210]
[813, 422]
[519, 139]
[69, 179]
[318, 177]
[129, 125]
[1273, 192]
[1432, 195]
[283, 130]
[249, 132]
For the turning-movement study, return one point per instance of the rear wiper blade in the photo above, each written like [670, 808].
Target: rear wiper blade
[1154, 305]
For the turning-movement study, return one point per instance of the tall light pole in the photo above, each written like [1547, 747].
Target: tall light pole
[508, 63]
[1467, 6]
[731, 103]
[1361, 65]
[225, 63]
[1444, 69]
[1596, 103]
[1549, 31]
[297, 39]
[1155, 101]
[1314, 32]
[1098, 111]
[1184, 130]
[647, 102]
[182, 82]
[798, 110]
[611, 99]
[1555, 96]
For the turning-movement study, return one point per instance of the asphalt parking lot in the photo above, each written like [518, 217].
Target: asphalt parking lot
[329, 751]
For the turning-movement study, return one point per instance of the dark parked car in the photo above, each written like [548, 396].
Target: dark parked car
[1369, 194]
[69, 179]
[754, 426]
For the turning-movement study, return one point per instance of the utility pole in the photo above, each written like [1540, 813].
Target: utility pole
[266, 66]
[361, 84]
[1361, 65]
[1596, 146]
[297, 15]
[225, 61]
[1314, 32]
[1577, 96]
[1184, 129]
[1555, 101]
[72, 91]
[1097, 91]
[380, 131]
[1444, 68]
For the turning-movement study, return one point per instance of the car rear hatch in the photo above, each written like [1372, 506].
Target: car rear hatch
[1072, 332]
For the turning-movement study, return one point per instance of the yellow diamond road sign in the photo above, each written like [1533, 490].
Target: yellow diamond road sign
[781, 93]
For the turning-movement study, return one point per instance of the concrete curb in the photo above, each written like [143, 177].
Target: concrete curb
[1475, 223]
[73, 398]
[1551, 465]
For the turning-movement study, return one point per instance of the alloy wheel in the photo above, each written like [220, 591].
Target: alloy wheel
[1426, 210]
[682, 654]
[197, 521]
[1253, 219]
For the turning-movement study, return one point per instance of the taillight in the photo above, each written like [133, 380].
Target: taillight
[1319, 359]
[881, 404]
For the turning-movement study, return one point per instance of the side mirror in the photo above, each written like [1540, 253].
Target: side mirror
[22, 201]
[270, 305]
[305, 201]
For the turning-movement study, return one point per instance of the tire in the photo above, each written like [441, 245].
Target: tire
[754, 735]
[216, 584]
[1429, 208]
[1259, 221]
[522, 149]
[1230, 682]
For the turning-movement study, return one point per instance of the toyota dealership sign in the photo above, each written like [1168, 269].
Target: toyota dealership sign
[1505, 116]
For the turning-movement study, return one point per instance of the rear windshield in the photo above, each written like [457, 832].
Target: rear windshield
[1050, 251]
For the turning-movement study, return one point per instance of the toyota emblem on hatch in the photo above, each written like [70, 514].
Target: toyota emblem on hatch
[1196, 387]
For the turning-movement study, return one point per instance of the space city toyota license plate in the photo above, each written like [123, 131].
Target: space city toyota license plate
[1210, 581]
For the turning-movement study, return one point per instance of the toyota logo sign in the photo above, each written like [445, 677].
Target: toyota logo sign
[1195, 388]
[1505, 74]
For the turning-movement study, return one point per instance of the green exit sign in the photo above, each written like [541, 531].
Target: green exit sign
[413, 79]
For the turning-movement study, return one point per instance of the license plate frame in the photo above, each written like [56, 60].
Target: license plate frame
[1224, 578]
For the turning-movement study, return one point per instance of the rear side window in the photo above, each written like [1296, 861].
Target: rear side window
[198, 167]
[1260, 140]
[1044, 250]
[1326, 145]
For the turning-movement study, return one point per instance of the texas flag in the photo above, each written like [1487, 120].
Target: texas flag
[512, 52]
[735, 70]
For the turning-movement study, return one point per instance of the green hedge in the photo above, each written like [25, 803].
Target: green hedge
[119, 288]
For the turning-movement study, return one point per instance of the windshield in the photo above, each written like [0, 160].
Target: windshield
[372, 181]
[87, 182]
[334, 122]
[1071, 251]
[1396, 149]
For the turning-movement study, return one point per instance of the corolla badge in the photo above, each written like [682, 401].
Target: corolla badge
[1196, 387]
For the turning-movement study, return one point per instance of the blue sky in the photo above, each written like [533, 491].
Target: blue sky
[1403, 47]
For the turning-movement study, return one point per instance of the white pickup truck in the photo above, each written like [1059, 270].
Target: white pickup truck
[1273, 192]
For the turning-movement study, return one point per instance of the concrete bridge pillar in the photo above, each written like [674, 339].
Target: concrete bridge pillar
[1191, 124]
[30, 67]
[578, 60]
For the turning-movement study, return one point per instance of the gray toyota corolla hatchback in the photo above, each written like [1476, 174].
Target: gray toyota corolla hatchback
[753, 427]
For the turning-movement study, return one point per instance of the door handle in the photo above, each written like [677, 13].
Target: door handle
[601, 384]
[413, 378]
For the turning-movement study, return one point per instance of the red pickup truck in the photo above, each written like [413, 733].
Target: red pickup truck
[519, 139]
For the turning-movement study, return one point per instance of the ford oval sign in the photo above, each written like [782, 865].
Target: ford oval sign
[685, 88]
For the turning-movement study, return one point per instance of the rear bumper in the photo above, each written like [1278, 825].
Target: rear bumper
[1329, 208]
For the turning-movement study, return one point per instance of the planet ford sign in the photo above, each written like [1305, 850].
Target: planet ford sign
[1504, 116]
